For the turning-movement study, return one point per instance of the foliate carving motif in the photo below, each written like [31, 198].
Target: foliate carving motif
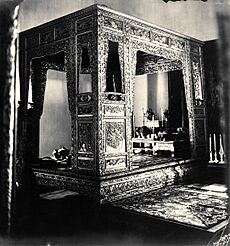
[85, 163]
[132, 185]
[114, 110]
[84, 187]
[85, 137]
[61, 32]
[85, 109]
[166, 66]
[197, 80]
[176, 43]
[85, 24]
[162, 39]
[138, 31]
[171, 175]
[194, 48]
[115, 136]
[115, 164]
[47, 36]
[113, 23]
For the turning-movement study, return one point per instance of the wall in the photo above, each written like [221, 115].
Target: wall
[55, 123]
[193, 18]
[151, 91]
[158, 93]
[140, 98]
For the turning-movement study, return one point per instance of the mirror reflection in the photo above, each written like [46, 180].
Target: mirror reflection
[160, 117]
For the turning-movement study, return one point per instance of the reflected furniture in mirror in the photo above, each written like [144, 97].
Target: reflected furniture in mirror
[110, 106]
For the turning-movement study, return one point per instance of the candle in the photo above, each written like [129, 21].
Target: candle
[210, 142]
[162, 114]
[143, 116]
[221, 144]
[214, 142]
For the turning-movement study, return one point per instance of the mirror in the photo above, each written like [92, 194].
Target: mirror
[160, 117]
[55, 122]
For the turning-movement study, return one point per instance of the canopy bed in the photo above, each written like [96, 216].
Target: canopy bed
[134, 117]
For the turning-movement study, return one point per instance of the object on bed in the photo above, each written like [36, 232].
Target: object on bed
[60, 158]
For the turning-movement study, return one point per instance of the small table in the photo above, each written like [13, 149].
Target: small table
[155, 145]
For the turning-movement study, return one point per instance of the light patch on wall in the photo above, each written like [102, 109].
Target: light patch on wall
[55, 123]
[140, 98]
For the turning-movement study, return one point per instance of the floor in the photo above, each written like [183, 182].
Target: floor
[72, 220]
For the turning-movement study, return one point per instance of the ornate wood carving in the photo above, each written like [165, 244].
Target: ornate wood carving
[115, 164]
[102, 120]
[83, 186]
[114, 110]
[85, 163]
[85, 143]
[164, 66]
[197, 82]
[113, 23]
[85, 24]
[47, 36]
[115, 136]
[138, 31]
[85, 110]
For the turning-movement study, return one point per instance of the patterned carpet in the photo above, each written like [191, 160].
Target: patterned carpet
[194, 205]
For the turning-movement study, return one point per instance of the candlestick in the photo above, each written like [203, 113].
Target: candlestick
[221, 152]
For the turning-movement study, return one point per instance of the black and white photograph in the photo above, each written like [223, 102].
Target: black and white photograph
[114, 122]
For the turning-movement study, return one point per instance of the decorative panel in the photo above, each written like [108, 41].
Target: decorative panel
[114, 110]
[115, 136]
[85, 110]
[200, 131]
[197, 83]
[47, 36]
[165, 66]
[162, 39]
[114, 164]
[85, 143]
[112, 23]
[176, 43]
[115, 97]
[83, 186]
[130, 185]
[199, 112]
[33, 41]
[84, 24]
[85, 98]
[61, 32]
[85, 163]
[138, 31]
[194, 48]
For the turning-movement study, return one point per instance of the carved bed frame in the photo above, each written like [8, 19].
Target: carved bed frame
[105, 172]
